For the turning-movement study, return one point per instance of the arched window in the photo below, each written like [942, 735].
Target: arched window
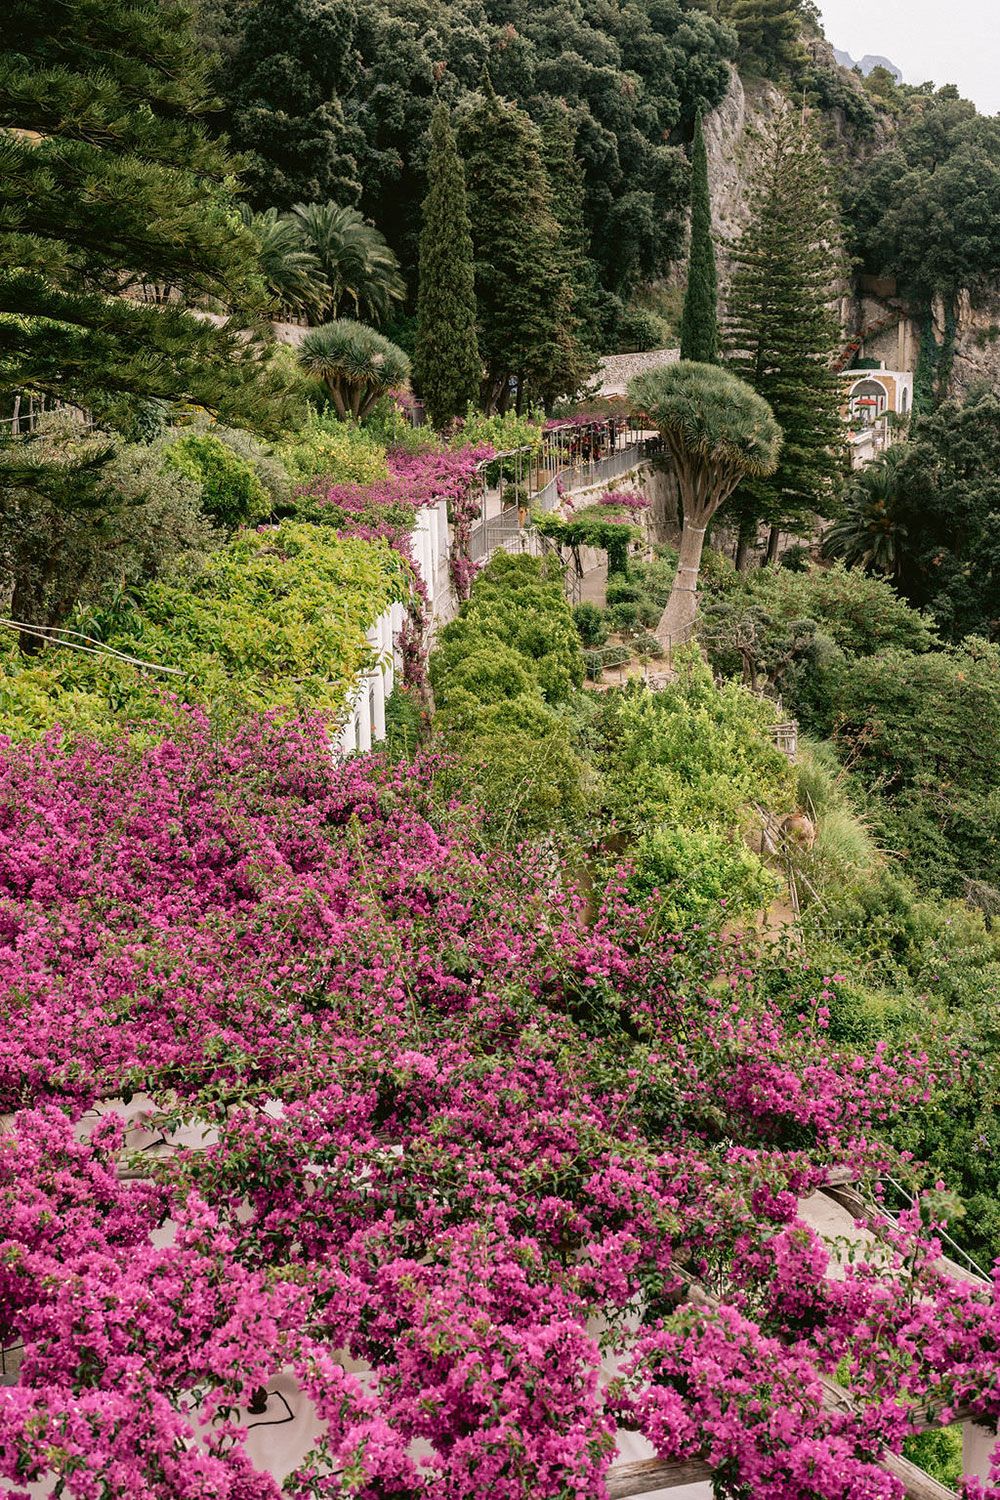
[904, 401]
[869, 400]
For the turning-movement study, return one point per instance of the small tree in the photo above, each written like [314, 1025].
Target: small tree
[700, 323]
[447, 363]
[357, 365]
[718, 432]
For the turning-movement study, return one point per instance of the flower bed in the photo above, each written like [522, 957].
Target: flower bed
[462, 1111]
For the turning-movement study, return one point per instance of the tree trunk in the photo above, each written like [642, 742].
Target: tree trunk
[747, 537]
[682, 606]
[773, 537]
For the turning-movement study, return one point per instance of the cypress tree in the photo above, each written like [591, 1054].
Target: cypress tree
[580, 334]
[523, 294]
[447, 365]
[699, 323]
[782, 333]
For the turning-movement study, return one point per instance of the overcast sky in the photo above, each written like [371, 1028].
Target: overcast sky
[949, 41]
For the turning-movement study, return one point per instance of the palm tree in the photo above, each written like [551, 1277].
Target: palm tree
[357, 364]
[718, 431]
[868, 535]
[361, 271]
[291, 269]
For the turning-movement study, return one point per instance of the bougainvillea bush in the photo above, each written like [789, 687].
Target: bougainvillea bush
[457, 1129]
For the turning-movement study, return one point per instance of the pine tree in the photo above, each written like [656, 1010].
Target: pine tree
[700, 324]
[523, 296]
[96, 285]
[290, 63]
[782, 333]
[115, 224]
[447, 365]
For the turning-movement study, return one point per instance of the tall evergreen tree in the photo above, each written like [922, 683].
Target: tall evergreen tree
[581, 334]
[700, 320]
[782, 332]
[523, 294]
[115, 219]
[115, 223]
[289, 65]
[447, 365]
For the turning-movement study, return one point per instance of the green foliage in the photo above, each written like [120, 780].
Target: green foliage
[447, 365]
[499, 673]
[116, 97]
[927, 209]
[769, 34]
[868, 533]
[923, 733]
[794, 633]
[637, 329]
[945, 500]
[290, 267]
[700, 323]
[324, 447]
[597, 526]
[330, 95]
[682, 770]
[590, 623]
[404, 724]
[123, 516]
[780, 333]
[275, 619]
[527, 329]
[288, 65]
[231, 492]
[938, 1453]
[356, 364]
[502, 431]
[360, 271]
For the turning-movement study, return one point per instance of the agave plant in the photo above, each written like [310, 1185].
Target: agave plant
[362, 273]
[868, 534]
[291, 268]
[357, 364]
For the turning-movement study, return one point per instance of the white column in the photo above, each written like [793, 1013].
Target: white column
[978, 1444]
[364, 716]
[385, 649]
[349, 734]
[396, 616]
[378, 705]
[422, 536]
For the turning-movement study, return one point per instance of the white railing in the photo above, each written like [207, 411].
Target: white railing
[364, 724]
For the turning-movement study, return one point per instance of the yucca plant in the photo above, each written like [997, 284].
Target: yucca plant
[718, 431]
[357, 364]
[361, 271]
[291, 268]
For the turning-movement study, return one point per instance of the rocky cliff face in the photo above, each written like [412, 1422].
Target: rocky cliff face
[893, 330]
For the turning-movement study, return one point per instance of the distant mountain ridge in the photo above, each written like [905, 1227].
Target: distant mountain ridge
[868, 64]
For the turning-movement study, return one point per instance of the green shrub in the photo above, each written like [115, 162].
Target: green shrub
[622, 590]
[275, 619]
[231, 491]
[647, 645]
[593, 662]
[590, 623]
[326, 448]
[624, 618]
